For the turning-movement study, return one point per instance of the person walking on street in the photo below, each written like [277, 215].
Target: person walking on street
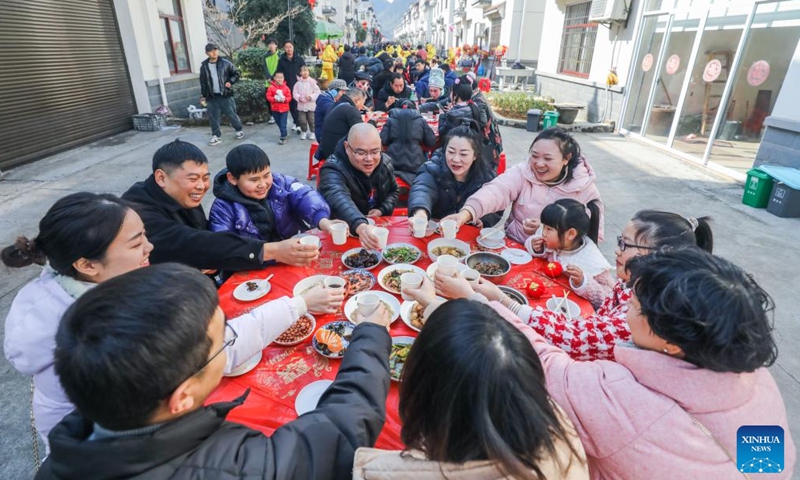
[270, 67]
[290, 64]
[217, 76]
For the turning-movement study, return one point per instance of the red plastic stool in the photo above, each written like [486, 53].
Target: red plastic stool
[484, 85]
[501, 163]
[313, 169]
[402, 198]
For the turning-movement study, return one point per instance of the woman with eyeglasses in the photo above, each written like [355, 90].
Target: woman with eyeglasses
[594, 337]
[86, 239]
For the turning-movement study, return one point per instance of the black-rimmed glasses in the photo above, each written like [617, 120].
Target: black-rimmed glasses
[622, 245]
[230, 339]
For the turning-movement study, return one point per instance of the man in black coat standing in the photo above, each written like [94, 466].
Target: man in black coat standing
[347, 67]
[139, 360]
[394, 91]
[217, 77]
[358, 182]
[339, 120]
[290, 64]
[169, 203]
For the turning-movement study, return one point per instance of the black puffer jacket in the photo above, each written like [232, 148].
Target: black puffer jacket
[457, 115]
[404, 132]
[347, 69]
[436, 191]
[351, 194]
[386, 92]
[226, 72]
[290, 68]
[379, 80]
[338, 121]
[202, 445]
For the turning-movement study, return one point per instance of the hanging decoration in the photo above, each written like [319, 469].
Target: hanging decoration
[673, 64]
[647, 62]
[712, 71]
[758, 73]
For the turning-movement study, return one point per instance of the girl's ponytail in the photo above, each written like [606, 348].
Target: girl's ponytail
[22, 254]
[703, 234]
[594, 220]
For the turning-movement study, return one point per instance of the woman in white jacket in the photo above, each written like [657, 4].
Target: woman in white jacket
[86, 239]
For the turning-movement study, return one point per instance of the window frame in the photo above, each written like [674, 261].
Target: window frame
[173, 67]
[577, 28]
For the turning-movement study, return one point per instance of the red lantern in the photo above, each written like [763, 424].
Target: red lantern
[536, 290]
[553, 269]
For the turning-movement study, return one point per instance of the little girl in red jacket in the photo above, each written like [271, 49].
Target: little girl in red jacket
[279, 95]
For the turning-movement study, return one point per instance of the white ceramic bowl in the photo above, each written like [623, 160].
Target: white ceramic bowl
[443, 242]
[567, 306]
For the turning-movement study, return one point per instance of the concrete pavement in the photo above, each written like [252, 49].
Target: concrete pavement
[631, 176]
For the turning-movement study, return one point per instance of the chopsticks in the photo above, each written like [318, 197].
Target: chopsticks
[560, 306]
[491, 231]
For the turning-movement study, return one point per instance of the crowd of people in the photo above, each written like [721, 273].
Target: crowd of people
[125, 338]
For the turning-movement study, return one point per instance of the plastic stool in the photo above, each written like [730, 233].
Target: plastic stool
[313, 169]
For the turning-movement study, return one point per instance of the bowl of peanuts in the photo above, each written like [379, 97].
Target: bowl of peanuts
[298, 331]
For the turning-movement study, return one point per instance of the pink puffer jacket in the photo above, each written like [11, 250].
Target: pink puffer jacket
[528, 196]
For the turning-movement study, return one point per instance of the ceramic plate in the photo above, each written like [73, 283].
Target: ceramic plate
[307, 283]
[486, 243]
[516, 256]
[400, 245]
[432, 269]
[405, 313]
[394, 305]
[250, 364]
[245, 294]
[354, 251]
[396, 368]
[365, 279]
[403, 267]
[343, 329]
[309, 396]
[443, 242]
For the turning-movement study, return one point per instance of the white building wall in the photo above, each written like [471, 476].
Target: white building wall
[789, 97]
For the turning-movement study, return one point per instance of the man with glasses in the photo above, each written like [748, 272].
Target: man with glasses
[358, 182]
[138, 357]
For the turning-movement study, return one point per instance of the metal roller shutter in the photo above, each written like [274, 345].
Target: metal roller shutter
[63, 77]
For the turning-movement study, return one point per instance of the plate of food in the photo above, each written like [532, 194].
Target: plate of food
[401, 253]
[298, 331]
[431, 271]
[251, 290]
[307, 284]
[443, 246]
[412, 314]
[389, 277]
[387, 299]
[358, 280]
[309, 396]
[491, 266]
[401, 347]
[332, 339]
[361, 258]
[248, 365]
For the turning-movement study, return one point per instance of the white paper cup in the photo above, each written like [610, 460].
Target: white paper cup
[446, 265]
[339, 233]
[310, 240]
[367, 303]
[382, 234]
[409, 280]
[334, 282]
[471, 276]
[420, 225]
[448, 228]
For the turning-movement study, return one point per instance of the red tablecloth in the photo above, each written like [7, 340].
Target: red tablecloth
[284, 371]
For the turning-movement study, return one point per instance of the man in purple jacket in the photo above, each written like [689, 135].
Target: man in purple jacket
[254, 202]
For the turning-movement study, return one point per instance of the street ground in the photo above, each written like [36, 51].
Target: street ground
[631, 176]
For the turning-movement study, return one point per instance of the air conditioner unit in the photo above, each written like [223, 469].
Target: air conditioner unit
[609, 11]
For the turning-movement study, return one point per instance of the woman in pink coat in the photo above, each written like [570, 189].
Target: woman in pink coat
[555, 169]
[672, 403]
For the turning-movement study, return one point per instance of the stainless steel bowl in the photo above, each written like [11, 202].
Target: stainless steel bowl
[473, 259]
[515, 294]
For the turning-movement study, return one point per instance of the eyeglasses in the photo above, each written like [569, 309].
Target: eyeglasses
[230, 339]
[364, 153]
[622, 245]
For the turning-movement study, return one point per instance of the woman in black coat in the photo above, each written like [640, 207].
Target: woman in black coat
[404, 134]
[455, 172]
[347, 68]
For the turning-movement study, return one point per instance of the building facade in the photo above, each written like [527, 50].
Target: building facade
[705, 79]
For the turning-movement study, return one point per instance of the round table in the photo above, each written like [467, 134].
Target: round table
[284, 371]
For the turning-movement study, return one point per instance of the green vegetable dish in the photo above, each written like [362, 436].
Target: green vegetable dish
[401, 254]
[397, 358]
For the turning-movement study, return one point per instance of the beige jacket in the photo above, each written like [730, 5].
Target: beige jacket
[373, 464]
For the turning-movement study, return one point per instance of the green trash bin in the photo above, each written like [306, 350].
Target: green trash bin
[550, 119]
[758, 189]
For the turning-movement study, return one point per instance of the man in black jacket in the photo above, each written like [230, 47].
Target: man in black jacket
[290, 64]
[347, 67]
[169, 202]
[339, 120]
[394, 91]
[358, 182]
[217, 77]
[138, 361]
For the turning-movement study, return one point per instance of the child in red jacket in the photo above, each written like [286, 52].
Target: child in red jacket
[279, 95]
